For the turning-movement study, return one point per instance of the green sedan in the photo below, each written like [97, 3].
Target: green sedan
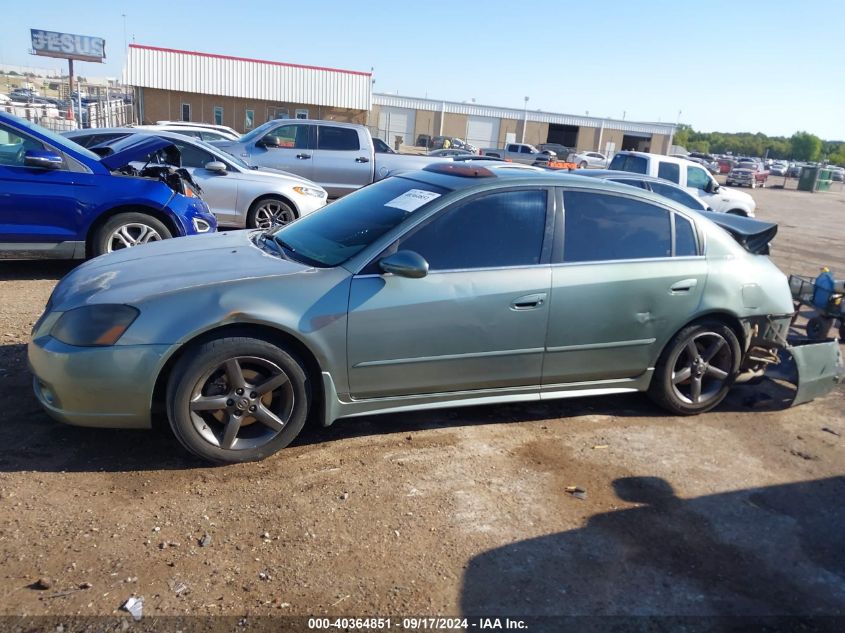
[454, 285]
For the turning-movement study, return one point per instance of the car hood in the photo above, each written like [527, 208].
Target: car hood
[132, 275]
[270, 175]
[735, 194]
[136, 147]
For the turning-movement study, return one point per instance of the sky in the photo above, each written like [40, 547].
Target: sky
[730, 66]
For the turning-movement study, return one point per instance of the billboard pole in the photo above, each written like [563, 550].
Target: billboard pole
[70, 86]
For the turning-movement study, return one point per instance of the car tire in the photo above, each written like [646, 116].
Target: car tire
[753, 184]
[126, 230]
[737, 212]
[689, 383]
[269, 212]
[818, 327]
[842, 332]
[582, 164]
[218, 407]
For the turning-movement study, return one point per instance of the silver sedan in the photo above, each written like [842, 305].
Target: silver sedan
[238, 194]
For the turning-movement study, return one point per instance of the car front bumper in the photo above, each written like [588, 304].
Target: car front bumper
[108, 387]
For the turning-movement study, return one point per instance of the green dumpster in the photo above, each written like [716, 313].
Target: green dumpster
[824, 180]
[808, 177]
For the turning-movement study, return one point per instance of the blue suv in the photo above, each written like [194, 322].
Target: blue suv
[58, 199]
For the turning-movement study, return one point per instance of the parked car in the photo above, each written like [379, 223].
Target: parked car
[518, 153]
[451, 152]
[560, 151]
[748, 174]
[794, 170]
[432, 289]
[439, 142]
[204, 131]
[586, 160]
[238, 195]
[687, 174]
[340, 157]
[62, 200]
[837, 174]
[779, 168]
[670, 190]
[725, 165]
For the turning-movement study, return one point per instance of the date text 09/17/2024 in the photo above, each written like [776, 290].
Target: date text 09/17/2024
[417, 624]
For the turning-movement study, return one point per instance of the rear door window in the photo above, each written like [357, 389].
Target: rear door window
[603, 227]
[337, 138]
[678, 195]
[628, 162]
[685, 242]
[669, 171]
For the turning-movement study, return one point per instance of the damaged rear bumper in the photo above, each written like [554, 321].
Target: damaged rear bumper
[819, 365]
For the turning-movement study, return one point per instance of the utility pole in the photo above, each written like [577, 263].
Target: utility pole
[524, 120]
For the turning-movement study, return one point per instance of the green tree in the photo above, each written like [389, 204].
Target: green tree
[682, 135]
[805, 146]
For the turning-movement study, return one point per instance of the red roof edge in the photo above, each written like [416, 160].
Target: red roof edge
[247, 59]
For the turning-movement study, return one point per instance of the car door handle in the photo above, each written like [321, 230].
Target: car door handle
[303, 156]
[683, 287]
[362, 159]
[528, 302]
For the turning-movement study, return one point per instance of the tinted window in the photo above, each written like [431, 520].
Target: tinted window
[697, 178]
[627, 162]
[291, 136]
[213, 136]
[669, 171]
[347, 226]
[338, 138]
[678, 195]
[92, 140]
[684, 237]
[601, 227]
[499, 229]
[193, 156]
[525, 150]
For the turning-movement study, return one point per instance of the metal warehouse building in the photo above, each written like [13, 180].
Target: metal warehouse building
[244, 93]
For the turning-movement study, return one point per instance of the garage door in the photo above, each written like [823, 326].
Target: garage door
[393, 122]
[483, 131]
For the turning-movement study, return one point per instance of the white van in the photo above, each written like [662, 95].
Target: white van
[689, 175]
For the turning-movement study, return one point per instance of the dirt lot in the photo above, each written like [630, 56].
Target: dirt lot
[737, 512]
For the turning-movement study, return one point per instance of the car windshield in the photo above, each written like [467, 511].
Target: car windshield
[347, 226]
[216, 150]
[58, 140]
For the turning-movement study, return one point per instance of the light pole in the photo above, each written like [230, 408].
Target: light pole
[524, 120]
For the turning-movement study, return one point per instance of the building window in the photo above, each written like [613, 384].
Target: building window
[186, 111]
[302, 113]
[274, 112]
[218, 115]
[249, 119]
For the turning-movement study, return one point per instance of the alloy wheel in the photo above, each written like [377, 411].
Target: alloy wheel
[242, 403]
[129, 235]
[272, 213]
[701, 367]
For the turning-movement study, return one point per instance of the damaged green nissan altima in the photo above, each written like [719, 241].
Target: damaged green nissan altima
[453, 285]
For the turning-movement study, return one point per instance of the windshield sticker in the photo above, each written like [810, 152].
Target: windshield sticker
[412, 200]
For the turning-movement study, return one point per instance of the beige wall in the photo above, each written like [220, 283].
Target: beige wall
[611, 136]
[535, 133]
[455, 125]
[659, 144]
[163, 105]
[508, 125]
[426, 122]
[587, 138]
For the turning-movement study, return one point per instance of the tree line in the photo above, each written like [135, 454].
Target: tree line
[801, 146]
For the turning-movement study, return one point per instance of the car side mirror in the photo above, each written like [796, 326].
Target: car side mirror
[405, 264]
[42, 159]
[712, 187]
[216, 166]
[270, 141]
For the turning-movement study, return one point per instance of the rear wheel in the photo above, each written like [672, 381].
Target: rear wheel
[237, 399]
[583, 164]
[697, 368]
[267, 212]
[818, 327]
[126, 230]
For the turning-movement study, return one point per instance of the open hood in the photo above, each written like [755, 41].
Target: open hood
[136, 147]
[753, 235]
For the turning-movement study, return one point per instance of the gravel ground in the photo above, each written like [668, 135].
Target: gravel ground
[462, 511]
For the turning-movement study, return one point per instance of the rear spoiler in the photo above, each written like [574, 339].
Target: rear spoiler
[753, 235]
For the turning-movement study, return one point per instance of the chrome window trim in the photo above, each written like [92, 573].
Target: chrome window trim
[632, 261]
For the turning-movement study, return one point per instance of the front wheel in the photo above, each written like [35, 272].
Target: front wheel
[697, 368]
[583, 164]
[237, 399]
[753, 184]
[126, 230]
[818, 327]
[268, 212]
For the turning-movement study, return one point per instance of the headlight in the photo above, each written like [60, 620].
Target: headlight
[95, 325]
[310, 191]
[200, 225]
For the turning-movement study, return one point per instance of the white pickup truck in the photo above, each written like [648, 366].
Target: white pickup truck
[687, 174]
[340, 157]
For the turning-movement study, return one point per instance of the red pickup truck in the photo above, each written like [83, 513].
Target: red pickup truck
[748, 174]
